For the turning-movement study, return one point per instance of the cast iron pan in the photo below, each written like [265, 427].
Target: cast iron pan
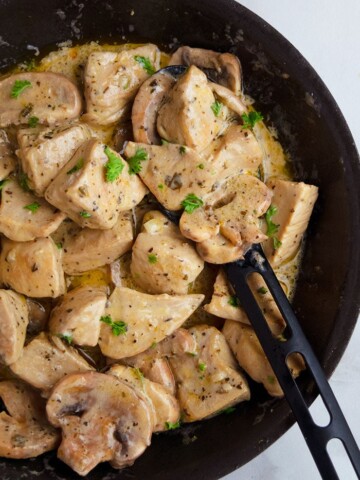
[311, 127]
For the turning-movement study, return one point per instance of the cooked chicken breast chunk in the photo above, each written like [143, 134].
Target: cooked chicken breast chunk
[101, 418]
[24, 429]
[32, 268]
[95, 186]
[25, 217]
[46, 360]
[43, 152]
[14, 320]
[163, 261]
[112, 80]
[50, 97]
[144, 320]
[7, 158]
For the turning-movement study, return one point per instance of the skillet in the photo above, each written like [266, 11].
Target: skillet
[292, 97]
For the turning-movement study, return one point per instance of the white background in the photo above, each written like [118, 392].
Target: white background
[327, 33]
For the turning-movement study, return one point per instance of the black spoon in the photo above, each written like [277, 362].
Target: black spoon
[277, 351]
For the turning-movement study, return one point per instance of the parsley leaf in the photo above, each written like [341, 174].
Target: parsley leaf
[24, 182]
[277, 243]
[135, 161]
[59, 245]
[216, 107]
[164, 142]
[172, 426]
[85, 214]
[114, 166]
[79, 165]
[66, 337]
[228, 410]
[117, 328]
[138, 373]
[201, 166]
[272, 228]
[202, 367]
[234, 301]
[33, 207]
[251, 119]
[3, 183]
[152, 258]
[18, 87]
[161, 186]
[182, 150]
[262, 290]
[191, 203]
[33, 121]
[146, 64]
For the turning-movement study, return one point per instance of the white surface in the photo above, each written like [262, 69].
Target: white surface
[327, 33]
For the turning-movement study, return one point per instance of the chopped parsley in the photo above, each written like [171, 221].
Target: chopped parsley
[228, 410]
[152, 258]
[59, 245]
[216, 107]
[272, 228]
[146, 64]
[18, 87]
[262, 290]
[33, 207]
[202, 367]
[234, 301]
[138, 373]
[33, 122]
[28, 65]
[251, 119]
[191, 203]
[114, 166]
[161, 186]
[153, 345]
[201, 166]
[182, 150]
[66, 337]
[85, 214]
[79, 165]
[277, 243]
[117, 328]
[3, 183]
[164, 142]
[135, 161]
[172, 426]
[24, 182]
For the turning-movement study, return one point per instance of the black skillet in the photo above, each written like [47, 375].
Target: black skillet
[315, 133]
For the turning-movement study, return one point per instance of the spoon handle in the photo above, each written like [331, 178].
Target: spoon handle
[277, 350]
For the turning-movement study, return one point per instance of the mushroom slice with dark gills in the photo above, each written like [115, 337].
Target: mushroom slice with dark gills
[95, 186]
[112, 80]
[7, 158]
[229, 221]
[32, 93]
[32, 268]
[102, 419]
[134, 321]
[163, 261]
[223, 68]
[208, 380]
[24, 430]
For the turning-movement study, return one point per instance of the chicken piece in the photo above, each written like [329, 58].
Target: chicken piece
[46, 360]
[294, 202]
[7, 158]
[154, 363]
[187, 117]
[209, 381]
[146, 106]
[14, 320]
[164, 407]
[224, 305]
[24, 217]
[24, 430]
[32, 268]
[228, 223]
[163, 261]
[86, 249]
[50, 97]
[113, 78]
[102, 419]
[95, 186]
[223, 68]
[144, 319]
[43, 152]
[251, 357]
[77, 316]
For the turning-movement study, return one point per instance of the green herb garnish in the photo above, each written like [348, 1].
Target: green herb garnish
[182, 150]
[66, 337]
[146, 64]
[251, 119]
[172, 426]
[216, 107]
[276, 242]
[114, 166]
[18, 87]
[271, 379]
[228, 410]
[33, 122]
[202, 367]
[79, 165]
[85, 214]
[234, 301]
[3, 183]
[138, 373]
[152, 258]
[272, 228]
[161, 186]
[59, 245]
[164, 142]
[191, 203]
[33, 207]
[24, 182]
[135, 161]
[262, 290]
[117, 328]
[201, 166]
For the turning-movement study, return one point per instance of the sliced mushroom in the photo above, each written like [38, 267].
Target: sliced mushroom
[25, 217]
[77, 316]
[24, 430]
[146, 106]
[187, 116]
[84, 192]
[39, 312]
[228, 223]
[251, 357]
[294, 202]
[147, 319]
[43, 152]
[163, 261]
[225, 68]
[164, 406]
[50, 97]
[7, 158]
[14, 320]
[46, 360]
[112, 80]
[32, 268]
[208, 381]
[102, 419]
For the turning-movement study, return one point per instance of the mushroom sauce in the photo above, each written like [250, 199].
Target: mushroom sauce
[117, 323]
